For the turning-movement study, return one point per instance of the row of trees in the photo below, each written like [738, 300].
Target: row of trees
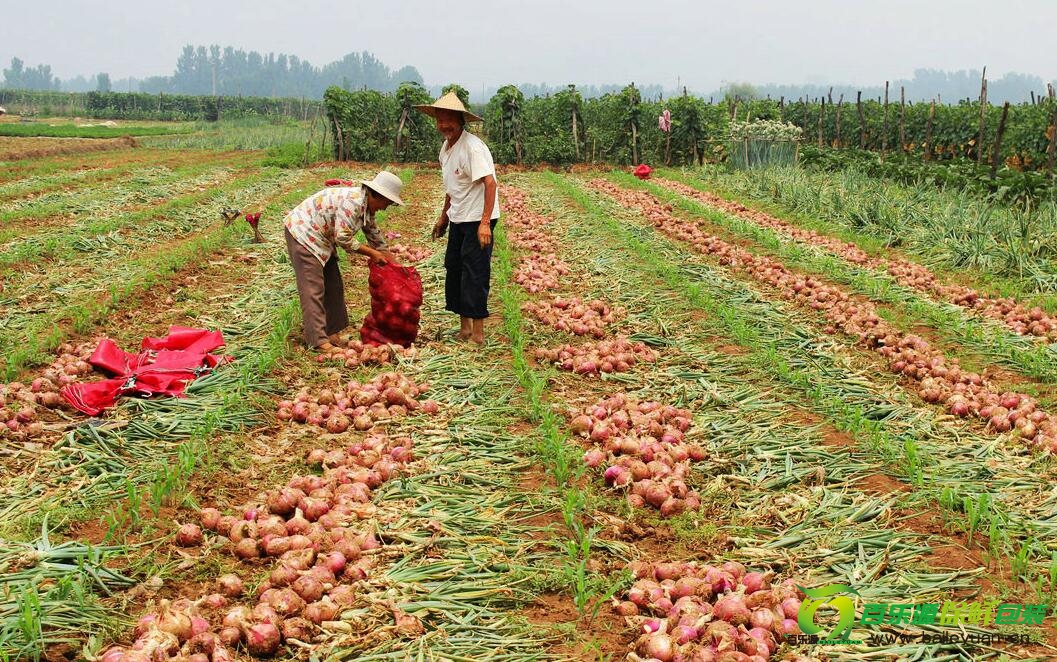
[140, 106]
[40, 78]
[230, 71]
[622, 127]
[19, 76]
[217, 71]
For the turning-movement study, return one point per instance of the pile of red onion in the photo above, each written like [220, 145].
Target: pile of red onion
[307, 527]
[1016, 316]
[966, 394]
[527, 228]
[591, 359]
[360, 406]
[20, 402]
[644, 449]
[357, 354]
[408, 254]
[581, 318]
[540, 271]
[179, 630]
[692, 613]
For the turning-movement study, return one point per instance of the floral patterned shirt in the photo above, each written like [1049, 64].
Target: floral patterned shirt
[331, 218]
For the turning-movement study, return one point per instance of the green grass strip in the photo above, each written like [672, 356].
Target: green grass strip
[38, 130]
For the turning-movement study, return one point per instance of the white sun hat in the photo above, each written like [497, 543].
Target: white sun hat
[387, 185]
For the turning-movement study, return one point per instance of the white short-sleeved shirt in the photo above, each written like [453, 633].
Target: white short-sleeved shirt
[463, 166]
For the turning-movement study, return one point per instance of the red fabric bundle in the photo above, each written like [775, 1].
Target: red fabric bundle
[396, 295]
[643, 171]
[163, 366]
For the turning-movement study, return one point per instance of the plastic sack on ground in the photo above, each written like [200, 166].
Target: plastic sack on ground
[396, 296]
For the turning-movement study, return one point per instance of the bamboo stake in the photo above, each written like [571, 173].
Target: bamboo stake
[997, 154]
[400, 133]
[983, 118]
[840, 107]
[576, 140]
[884, 130]
[862, 121]
[902, 118]
[928, 132]
[821, 116]
[341, 140]
[1052, 147]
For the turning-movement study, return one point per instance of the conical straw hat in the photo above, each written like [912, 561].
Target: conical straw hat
[449, 101]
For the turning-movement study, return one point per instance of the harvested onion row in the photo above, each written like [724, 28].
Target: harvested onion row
[574, 316]
[19, 402]
[388, 396]
[964, 393]
[541, 271]
[1016, 316]
[644, 448]
[592, 359]
[306, 526]
[410, 254]
[526, 226]
[407, 253]
[690, 612]
[357, 354]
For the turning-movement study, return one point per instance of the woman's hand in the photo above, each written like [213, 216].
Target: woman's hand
[390, 258]
[484, 234]
[374, 255]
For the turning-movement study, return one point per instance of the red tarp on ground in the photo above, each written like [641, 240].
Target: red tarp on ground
[163, 366]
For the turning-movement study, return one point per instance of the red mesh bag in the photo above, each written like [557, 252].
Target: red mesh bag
[396, 296]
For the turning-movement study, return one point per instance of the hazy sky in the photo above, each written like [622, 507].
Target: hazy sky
[701, 44]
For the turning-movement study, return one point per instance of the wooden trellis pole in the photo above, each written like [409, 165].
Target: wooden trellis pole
[928, 132]
[862, 121]
[884, 130]
[902, 118]
[821, 117]
[983, 118]
[840, 106]
[996, 156]
[1052, 147]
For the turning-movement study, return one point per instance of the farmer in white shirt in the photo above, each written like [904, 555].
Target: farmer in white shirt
[471, 209]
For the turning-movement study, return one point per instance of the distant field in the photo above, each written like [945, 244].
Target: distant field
[13, 148]
[35, 130]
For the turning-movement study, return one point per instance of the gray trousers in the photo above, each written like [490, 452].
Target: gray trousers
[321, 292]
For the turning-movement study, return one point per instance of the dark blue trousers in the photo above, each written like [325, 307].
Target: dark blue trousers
[469, 271]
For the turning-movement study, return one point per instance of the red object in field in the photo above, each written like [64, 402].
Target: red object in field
[163, 366]
[253, 220]
[396, 295]
[340, 182]
[643, 171]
